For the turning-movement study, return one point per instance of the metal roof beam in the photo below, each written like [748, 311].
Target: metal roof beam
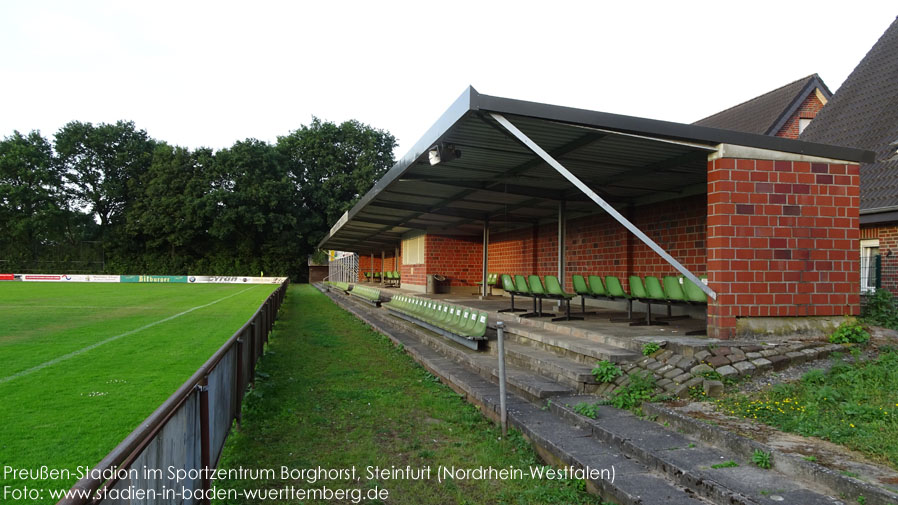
[445, 211]
[524, 139]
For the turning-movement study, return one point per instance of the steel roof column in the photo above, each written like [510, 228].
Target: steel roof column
[562, 235]
[383, 256]
[486, 244]
[372, 266]
[552, 162]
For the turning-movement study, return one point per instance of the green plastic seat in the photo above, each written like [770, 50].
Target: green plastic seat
[640, 292]
[538, 292]
[694, 293]
[653, 288]
[673, 289]
[580, 286]
[637, 288]
[478, 328]
[613, 288]
[555, 290]
[509, 287]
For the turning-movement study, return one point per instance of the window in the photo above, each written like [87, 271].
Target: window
[869, 259]
[802, 124]
[413, 250]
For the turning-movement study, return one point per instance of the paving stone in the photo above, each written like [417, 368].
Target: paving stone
[664, 356]
[713, 389]
[664, 382]
[701, 355]
[720, 351]
[812, 353]
[686, 363]
[646, 361]
[664, 369]
[779, 362]
[718, 361]
[737, 351]
[727, 371]
[735, 357]
[753, 355]
[762, 364]
[682, 378]
[752, 348]
[673, 372]
[796, 357]
[744, 367]
[700, 369]
[769, 352]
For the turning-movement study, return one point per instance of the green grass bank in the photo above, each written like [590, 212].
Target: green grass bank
[332, 393]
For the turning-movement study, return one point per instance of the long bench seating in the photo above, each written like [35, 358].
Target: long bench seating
[342, 286]
[462, 324]
[366, 294]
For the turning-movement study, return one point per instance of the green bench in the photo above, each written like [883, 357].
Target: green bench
[366, 294]
[342, 286]
[391, 278]
[491, 280]
[509, 287]
[461, 324]
[556, 292]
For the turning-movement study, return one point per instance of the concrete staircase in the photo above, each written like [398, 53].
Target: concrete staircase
[637, 461]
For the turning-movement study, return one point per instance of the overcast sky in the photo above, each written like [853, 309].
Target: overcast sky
[211, 73]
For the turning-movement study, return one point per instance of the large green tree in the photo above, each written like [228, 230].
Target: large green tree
[31, 199]
[333, 166]
[102, 164]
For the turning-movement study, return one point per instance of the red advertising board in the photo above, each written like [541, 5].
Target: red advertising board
[7, 277]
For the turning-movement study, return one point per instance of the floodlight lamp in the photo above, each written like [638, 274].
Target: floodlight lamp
[442, 152]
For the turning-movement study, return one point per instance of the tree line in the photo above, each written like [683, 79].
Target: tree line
[109, 198]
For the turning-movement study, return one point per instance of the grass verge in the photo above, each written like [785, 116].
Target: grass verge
[854, 403]
[333, 393]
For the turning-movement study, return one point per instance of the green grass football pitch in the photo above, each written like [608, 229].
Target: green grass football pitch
[81, 365]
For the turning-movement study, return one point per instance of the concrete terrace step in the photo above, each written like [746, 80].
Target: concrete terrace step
[688, 461]
[557, 442]
[563, 370]
[569, 329]
[581, 349]
[523, 381]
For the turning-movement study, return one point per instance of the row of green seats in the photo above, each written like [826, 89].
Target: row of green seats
[462, 321]
[533, 287]
[339, 285]
[388, 275]
[368, 293]
[669, 291]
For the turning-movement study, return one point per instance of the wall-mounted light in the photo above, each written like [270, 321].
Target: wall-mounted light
[443, 152]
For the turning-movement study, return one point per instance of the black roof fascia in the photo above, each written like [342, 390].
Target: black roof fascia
[879, 217]
[668, 129]
[812, 84]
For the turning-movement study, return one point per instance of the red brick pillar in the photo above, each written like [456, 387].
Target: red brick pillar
[782, 240]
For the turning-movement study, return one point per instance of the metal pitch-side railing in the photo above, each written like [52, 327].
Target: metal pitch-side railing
[166, 458]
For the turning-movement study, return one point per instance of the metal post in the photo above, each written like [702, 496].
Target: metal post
[238, 383]
[372, 266]
[503, 412]
[205, 439]
[383, 257]
[562, 235]
[486, 243]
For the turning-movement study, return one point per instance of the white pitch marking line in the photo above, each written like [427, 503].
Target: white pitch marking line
[111, 339]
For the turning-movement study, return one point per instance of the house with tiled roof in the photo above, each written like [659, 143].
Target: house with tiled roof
[863, 114]
[783, 112]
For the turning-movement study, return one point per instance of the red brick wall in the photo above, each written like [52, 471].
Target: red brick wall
[599, 245]
[782, 240]
[458, 258]
[365, 264]
[808, 110]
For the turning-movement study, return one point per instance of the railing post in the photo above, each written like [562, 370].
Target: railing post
[205, 443]
[252, 352]
[238, 382]
[503, 412]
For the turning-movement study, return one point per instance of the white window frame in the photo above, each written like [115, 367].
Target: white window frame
[869, 248]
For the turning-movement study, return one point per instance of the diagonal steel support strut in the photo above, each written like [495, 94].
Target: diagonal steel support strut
[601, 203]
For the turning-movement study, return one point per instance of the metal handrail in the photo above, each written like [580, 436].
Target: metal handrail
[130, 448]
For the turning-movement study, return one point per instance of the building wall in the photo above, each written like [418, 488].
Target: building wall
[458, 258]
[388, 264]
[887, 234]
[782, 240]
[808, 110]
